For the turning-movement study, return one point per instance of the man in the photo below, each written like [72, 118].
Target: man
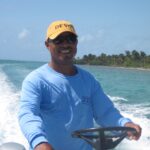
[60, 97]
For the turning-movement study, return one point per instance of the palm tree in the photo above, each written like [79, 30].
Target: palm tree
[142, 55]
[135, 55]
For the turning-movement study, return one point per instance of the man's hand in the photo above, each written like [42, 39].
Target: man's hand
[43, 146]
[138, 129]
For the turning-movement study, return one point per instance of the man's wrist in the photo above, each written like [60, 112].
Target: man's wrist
[43, 146]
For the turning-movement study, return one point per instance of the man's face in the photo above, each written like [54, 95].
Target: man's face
[63, 48]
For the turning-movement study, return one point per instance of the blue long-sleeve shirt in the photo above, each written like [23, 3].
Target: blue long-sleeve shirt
[53, 105]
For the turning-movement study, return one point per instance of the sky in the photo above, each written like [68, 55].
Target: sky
[103, 26]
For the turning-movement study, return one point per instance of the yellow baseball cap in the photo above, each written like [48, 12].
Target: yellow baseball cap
[58, 27]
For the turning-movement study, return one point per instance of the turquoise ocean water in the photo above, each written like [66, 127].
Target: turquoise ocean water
[129, 89]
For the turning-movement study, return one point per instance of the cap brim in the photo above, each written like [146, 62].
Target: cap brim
[55, 35]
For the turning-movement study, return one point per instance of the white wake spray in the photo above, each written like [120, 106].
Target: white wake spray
[138, 113]
[9, 127]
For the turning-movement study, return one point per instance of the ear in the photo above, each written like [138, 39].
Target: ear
[46, 44]
[76, 43]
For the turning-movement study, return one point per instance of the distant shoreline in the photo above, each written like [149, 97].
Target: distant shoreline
[134, 68]
[121, 67]
[130, 59]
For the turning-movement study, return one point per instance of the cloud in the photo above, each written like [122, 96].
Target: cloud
[86, 38]
[100, 34]
[23, 34]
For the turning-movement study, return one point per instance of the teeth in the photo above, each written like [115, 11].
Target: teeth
[65, 51]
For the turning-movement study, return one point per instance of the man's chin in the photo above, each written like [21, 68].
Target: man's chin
[67, 61]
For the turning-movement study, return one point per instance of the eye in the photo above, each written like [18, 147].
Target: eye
[58, 40]
[71, 39]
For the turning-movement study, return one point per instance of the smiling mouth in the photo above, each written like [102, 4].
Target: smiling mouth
[65, 51]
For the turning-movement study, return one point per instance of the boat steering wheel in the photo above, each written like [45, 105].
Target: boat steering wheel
[103, 138]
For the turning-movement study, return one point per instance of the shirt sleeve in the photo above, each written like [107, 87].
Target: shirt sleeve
[104, 111]
[29, 113]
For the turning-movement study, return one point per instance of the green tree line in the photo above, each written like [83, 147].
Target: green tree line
[128, 59]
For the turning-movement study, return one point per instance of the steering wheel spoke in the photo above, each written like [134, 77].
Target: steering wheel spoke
[103, 138]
